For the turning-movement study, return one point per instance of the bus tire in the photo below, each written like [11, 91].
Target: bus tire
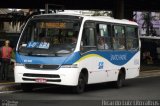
[27, 87]
[120, 80]
[81, 84]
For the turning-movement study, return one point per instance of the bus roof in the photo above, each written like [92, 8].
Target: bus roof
[95, 18]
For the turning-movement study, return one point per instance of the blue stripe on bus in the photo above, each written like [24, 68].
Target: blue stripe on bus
[115, 57]
[39, 60]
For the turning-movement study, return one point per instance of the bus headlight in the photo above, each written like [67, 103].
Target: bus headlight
[69, 66]
[18, 64]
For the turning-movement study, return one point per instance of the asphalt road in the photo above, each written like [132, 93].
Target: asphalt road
[134, 89]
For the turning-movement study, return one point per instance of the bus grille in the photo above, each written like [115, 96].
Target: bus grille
[41, 75]
[41, 66]
[48, 80]
[47, 77]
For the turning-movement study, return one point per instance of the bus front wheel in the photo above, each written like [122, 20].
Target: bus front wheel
[120, 80]
[81, 84]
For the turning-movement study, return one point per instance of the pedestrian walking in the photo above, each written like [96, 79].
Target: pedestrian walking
[6, 54]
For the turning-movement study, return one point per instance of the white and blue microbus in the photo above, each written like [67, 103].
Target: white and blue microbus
[75, 50]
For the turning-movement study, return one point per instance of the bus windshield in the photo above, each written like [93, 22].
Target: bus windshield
[42, 37]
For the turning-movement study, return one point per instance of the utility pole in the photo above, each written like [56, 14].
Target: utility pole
[46, 8]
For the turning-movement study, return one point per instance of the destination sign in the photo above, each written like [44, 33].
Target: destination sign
[53, 25]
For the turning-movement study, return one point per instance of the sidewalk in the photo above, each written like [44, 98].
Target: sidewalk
[150, 73]
[150, 67]
[9, 86]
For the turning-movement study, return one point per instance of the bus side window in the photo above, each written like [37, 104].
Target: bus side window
[131, 37]
[103, 36]
[118, 38]
[88, 39]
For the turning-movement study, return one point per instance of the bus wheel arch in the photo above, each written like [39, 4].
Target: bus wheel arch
[82, 81]
[84, 71]
[123, 71]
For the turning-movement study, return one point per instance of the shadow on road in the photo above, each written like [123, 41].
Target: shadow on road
[68, 90]
[132, 83]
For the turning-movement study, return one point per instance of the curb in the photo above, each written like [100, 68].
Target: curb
[149, 73]
[10, 86]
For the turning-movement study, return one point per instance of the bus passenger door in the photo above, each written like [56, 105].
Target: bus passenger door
[90, 59]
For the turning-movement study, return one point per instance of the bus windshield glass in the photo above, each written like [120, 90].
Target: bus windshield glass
[42, 37]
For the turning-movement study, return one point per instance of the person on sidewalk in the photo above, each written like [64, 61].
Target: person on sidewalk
[148, 59]
[6, 54]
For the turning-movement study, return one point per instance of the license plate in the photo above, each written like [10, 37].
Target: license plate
[41, 80]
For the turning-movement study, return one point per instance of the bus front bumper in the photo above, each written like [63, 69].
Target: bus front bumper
[62, 76]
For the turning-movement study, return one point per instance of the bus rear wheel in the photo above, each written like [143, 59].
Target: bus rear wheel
[27, 87]
[81, 85]
[120, 80]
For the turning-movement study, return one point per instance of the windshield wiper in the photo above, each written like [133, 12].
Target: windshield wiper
[42, 55]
